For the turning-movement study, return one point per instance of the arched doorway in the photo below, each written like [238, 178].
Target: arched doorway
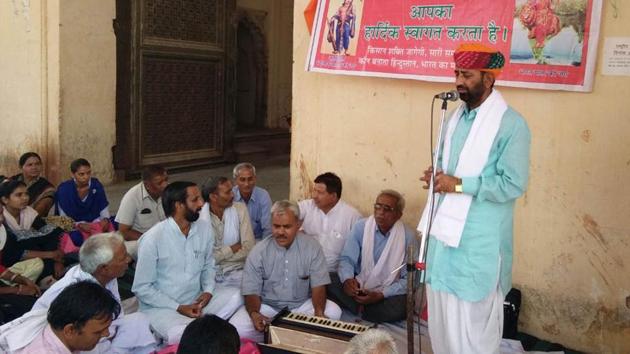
[251, 76]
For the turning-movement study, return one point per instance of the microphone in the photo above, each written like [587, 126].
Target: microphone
[448, 96]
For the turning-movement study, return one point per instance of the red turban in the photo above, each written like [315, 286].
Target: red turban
[479, 57]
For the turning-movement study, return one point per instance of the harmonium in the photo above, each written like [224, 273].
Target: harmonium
[291, 332]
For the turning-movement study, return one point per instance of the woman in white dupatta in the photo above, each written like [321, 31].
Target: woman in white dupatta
[20, 297]
[28, 235]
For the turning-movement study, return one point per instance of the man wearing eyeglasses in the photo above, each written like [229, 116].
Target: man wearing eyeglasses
[370, 281]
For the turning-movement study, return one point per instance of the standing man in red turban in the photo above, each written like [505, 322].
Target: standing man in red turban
[482, 169]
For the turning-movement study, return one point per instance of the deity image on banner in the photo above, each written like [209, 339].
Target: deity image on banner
[548, 32]
[342, 23]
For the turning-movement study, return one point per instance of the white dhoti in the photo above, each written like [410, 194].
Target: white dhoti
[458, 326]
[232, 279]
[245, 327]
[170, 324]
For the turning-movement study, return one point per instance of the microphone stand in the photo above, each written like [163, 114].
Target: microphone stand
[425, 232]
[410, 297]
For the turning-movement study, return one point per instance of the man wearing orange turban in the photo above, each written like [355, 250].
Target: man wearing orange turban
[483, 168]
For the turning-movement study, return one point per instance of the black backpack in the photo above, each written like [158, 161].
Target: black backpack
[511, 309]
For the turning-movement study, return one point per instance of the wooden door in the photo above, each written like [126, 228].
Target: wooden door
[175, 82]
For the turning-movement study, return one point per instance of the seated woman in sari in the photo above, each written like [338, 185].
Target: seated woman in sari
[40, 191]
[28, 236]
[83, 199]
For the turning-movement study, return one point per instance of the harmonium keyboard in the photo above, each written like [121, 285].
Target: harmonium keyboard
[291, 332]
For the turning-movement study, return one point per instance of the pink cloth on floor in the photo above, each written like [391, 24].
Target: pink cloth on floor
[66, 245]
[248, 346]
[95, 228]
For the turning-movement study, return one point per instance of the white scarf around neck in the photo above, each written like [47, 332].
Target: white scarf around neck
[27, 216]
[450, 218]
[231, 226]
[376, 277]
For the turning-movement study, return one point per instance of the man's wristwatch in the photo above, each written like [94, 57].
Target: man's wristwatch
[459, 188]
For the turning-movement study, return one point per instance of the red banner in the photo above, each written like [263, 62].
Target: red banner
[548, 44]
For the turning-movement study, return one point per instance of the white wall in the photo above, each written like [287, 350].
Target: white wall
[58, 69]
[28, 37]
[88, 84]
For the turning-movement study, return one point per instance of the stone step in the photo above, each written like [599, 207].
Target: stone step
[261, 144]
[252, 153]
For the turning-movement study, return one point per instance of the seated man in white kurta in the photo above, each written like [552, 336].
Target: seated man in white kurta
[285, 270]
[328, 218]
[174, 279]
[103, 258]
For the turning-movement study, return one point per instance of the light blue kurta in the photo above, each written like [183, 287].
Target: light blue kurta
[259, 208]
[470, 271]
[174, 269]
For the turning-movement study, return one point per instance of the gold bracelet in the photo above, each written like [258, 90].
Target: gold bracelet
[13, 277]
